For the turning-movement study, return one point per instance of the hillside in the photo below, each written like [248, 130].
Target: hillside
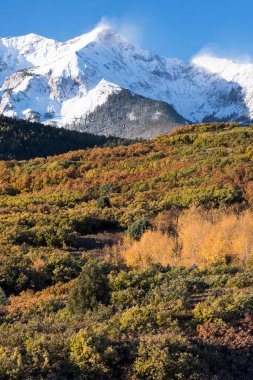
[22, 140]
[208, 165]
[130, 262]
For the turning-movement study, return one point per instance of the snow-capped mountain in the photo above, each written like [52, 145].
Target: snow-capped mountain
[70, 83]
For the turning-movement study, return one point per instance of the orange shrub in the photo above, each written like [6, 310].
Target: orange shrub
[153, 247]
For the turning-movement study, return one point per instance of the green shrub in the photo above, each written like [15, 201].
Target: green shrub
[157, 156]
[91, 288]
[41, 235]
[15, 274]
[241, 280]
[63, 267]
[226, 307]
[138, 319]
[127, 297]
[137, 229]
[3, 298]
[95, 354]
[196, 286]
[163, 357]
[104, 202]
[109, 188]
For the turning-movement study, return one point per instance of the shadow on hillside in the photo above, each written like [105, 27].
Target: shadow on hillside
[226, 363]
[100, 240]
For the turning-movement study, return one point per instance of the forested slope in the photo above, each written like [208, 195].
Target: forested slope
[22, 140]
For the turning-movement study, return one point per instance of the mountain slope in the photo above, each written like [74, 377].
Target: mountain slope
[130, 116]
[61, 83]
[22, 140]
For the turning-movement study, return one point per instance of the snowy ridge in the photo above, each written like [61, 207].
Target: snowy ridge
[54, 82]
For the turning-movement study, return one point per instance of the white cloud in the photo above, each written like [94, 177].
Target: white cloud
[133, 31]
[231, 53]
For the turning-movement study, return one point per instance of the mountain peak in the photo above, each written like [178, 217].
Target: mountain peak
[33, 36]
[103, 32]
[27, 38]
[58, 82]
[104, 26]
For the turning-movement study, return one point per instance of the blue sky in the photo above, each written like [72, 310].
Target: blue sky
[175, 28]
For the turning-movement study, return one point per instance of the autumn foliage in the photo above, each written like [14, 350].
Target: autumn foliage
[132, 262]
[195, 238]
